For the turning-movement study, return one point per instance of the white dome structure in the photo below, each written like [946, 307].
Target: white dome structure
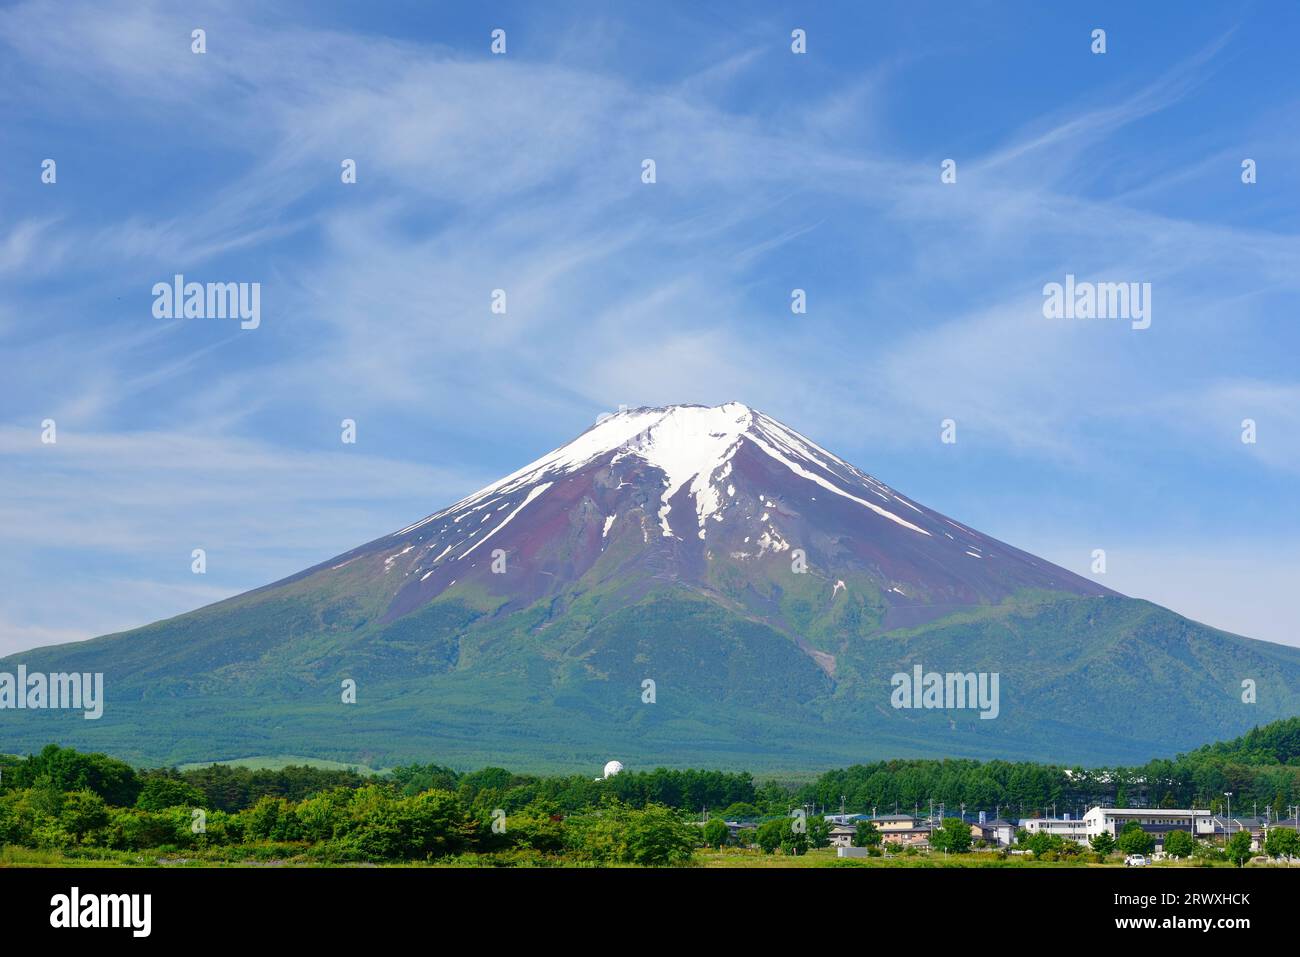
[612, 768]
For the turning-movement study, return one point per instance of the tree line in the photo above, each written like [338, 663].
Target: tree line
[1261, 768]
[65, 798]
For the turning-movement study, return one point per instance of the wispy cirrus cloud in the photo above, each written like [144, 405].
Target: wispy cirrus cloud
[523, 173]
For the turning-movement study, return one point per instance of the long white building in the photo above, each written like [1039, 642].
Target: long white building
[1111, 820]
[1074, 828]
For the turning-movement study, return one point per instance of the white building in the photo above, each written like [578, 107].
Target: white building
[1076, 829]
[1112, 820]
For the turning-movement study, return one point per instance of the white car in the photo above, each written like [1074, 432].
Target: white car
[1136, 860]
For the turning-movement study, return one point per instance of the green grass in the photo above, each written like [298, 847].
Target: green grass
[290, 855]
[826, 857]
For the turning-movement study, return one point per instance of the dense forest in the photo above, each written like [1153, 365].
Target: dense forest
[61, 798]
[1261, 769]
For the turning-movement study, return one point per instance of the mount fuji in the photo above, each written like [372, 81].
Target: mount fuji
[680, 585]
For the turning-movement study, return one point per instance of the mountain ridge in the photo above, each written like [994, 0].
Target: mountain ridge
[768, 588]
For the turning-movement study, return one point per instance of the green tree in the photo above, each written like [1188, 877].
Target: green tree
[130, 829]
[1179, 844]
[1050, 846]
[1207, 852]
[866, 835]
[1282, 842]
[267, 819]
[782, 832]
[1134, 840]
[433, 824]
[1069, 847]
[66, 770]
[1040, 842]
[716, 833]
[819, 832]
[1103, 843]
[654, 836]
[83, 815]
[160, 792]
[1239, 848]
[658, 837]
[769, 834]
[538, 826]
[952, 836]
[411, 779]
[794, 841]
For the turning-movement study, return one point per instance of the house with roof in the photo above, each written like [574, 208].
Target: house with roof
[995, 833]
[842, 835]
[902, 830]
[742, 832]
[1257, 827]
[1074, 829]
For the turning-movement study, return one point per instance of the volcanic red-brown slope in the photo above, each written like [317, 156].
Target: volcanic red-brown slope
[686, 486]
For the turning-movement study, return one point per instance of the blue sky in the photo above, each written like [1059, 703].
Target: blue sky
[775, 171]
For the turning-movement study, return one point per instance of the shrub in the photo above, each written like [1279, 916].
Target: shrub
[715, 833]
[652, 836]
[159, 792]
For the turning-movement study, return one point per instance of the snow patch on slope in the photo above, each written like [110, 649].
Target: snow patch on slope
[532, 494]
[814, 477]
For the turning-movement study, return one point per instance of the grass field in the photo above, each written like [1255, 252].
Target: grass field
[293, 856]
[826, 857]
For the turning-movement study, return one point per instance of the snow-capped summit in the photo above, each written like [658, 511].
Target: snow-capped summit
[673, 493]
[692, 445]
